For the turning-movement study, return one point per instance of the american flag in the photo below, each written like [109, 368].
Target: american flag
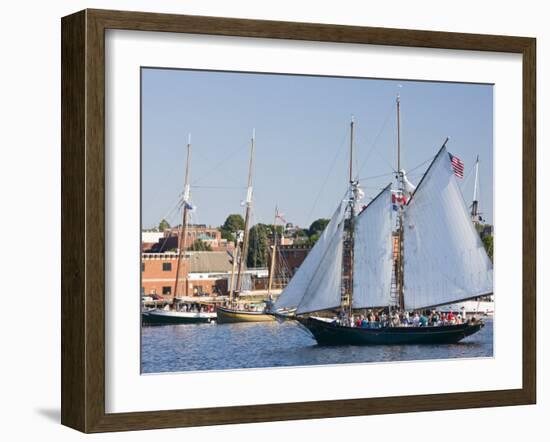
[458, 166]
[280, 216]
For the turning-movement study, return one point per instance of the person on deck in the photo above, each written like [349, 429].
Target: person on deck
[451, 318]
[423, 321]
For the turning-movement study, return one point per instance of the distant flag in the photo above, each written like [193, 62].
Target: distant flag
[458, 166]
[280, 216]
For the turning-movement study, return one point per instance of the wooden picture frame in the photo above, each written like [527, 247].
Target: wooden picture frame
[83, 210]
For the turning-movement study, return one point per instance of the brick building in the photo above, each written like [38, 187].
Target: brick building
[201, 273]
[169, 240]
[287, 261]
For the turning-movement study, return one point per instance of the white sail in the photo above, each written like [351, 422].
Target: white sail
[316, 284]
[445, 260]
[373, 254]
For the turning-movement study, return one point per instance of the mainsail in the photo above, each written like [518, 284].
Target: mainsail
[316, 285]
[373, 253]
[445, 260]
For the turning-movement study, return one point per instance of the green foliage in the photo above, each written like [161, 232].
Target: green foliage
[226, 234]
[200, 246]
[317, 226]
[163, 225]
[313, 239]
[488, 243]
[258, 246]
[232, 224]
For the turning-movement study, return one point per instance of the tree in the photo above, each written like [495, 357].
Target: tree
[313, 239]
[317, 226]
[163, 225]
[258, 246]
[488, 243]
[200, 246]
[232, 224]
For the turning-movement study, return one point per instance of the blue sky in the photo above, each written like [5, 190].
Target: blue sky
[302, 140]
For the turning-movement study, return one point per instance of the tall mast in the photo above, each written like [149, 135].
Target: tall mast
[353, 188]
[474, 198]
[234, 267]
[183, 230]
[399, 262]
[244, 246]
[273, 255]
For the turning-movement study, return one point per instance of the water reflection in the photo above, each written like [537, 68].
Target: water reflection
[191, 347]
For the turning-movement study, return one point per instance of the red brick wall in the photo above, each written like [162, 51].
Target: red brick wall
[154, 279]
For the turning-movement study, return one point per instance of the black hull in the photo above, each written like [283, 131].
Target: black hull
[327, 333]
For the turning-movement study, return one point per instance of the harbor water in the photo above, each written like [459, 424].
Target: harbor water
[192, 347]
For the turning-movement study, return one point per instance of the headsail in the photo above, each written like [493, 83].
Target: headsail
[373, 253]
[316, 284]
[445, 260]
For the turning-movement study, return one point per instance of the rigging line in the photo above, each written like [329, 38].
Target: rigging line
[219, 187]
[375, 176]
[219, 164]
[167, 178]
[423, 163]
[465, 180]
[328, 175]
[375, 141]
[175, 207]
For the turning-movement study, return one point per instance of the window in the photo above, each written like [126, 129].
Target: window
[167, 290]
[166, 266]
[142, 266]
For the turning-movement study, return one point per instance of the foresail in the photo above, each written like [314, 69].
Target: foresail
[313, 285]
[445, 260]
[373, 253]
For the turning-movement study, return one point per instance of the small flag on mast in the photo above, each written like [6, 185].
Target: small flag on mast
[280, 216]
[458, 166]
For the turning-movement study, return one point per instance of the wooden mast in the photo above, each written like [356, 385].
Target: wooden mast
[353, 189]
[244, 246]
[273, 255]
[183, 230]
[399, 266]
[234, 267]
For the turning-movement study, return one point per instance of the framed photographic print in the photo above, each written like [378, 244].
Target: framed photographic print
[269, 220]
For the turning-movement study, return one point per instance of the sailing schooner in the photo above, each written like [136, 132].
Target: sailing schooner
[439, 260]
[182, 313]
[233, 312]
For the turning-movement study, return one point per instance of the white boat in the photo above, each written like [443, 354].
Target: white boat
[158, 316]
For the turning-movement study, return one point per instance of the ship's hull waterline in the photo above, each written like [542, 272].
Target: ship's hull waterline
[159, 317]
[330, 333]
[230, 316]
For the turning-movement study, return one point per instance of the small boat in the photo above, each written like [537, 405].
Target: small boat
[158, 317]
[226, 315]
[233, 311]
[411, 249]
[190, 311]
